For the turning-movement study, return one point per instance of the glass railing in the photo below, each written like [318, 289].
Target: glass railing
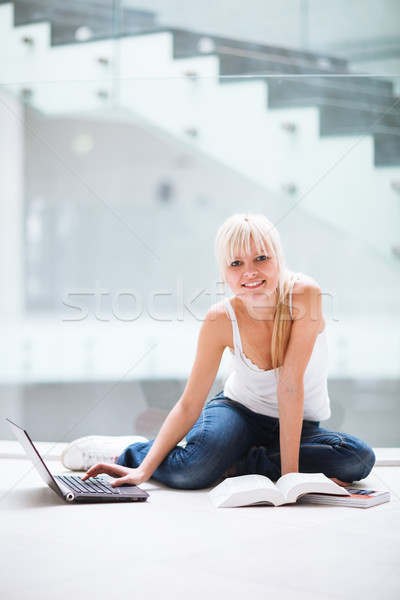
[297, 24]
[120, 159]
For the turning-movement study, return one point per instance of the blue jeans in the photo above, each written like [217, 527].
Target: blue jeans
[228, 433]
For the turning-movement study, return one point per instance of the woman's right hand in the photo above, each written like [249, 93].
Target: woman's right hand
[124, 475]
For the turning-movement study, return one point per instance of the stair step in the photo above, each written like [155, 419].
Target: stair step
[238, 62]
[335, 120]
[385, 129]
[292, 92]
[67, 17]
[387, 150]
[186, 44]
[347, 106]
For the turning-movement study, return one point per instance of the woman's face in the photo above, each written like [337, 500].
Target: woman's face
[253, 275]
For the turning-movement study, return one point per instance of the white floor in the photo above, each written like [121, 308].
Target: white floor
[178, 545]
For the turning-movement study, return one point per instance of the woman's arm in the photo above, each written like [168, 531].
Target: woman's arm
[307, 322]
[185, 413]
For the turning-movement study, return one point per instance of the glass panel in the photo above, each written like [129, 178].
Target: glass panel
[119, 173]
[78, 21]
[358, 35]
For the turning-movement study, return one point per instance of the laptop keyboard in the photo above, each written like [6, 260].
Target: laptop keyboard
[93, 485]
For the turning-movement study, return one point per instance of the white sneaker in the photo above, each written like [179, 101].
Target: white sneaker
[83, 453]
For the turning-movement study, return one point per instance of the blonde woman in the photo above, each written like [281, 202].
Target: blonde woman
[267, 418]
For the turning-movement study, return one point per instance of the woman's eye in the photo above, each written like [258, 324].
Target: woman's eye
[235, 263]
[262, 257]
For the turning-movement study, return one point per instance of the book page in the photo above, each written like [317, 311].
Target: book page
[245, 482]
[246, 490]
[293, 485]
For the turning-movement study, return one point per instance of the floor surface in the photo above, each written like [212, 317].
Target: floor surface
[178, 545]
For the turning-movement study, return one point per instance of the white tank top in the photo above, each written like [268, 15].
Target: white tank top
[256, 388]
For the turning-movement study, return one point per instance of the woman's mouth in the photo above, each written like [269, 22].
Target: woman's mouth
[254, 284]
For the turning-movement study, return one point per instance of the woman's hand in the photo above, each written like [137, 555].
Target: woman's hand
[124, 475]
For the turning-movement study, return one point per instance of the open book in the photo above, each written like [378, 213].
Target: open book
[246, 490]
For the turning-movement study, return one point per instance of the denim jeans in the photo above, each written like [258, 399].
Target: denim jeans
[228, 433]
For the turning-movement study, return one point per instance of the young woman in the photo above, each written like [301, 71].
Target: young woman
[267, 418]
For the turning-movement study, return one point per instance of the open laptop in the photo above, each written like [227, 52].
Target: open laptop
[71, 487]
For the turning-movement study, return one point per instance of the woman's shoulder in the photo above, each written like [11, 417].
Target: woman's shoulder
[219, 311]
[304, 284]
[218, 323]
[307, 298]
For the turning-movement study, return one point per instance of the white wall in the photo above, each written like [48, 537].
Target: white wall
[12, 156]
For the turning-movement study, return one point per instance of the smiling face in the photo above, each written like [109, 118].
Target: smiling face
[251, 260]
[253, 274]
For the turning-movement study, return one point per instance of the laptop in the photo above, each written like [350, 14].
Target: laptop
[71, 487]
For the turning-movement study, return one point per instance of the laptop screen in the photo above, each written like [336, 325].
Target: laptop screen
[26, 442]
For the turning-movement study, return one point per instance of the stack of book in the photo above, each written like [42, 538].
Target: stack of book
[303, 488]
[358, 498]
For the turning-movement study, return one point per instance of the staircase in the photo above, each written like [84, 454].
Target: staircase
[347, 106]
[66, 18]
[298, 124]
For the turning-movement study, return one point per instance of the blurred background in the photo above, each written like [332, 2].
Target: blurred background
[129, 130]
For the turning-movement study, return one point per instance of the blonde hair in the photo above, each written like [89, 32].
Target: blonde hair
[239, 234]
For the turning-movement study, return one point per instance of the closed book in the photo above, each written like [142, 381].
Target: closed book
[358, 498]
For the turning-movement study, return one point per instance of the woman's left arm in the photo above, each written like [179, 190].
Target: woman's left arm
[307, 322]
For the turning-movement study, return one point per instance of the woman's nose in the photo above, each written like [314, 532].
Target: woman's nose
[250, 272]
